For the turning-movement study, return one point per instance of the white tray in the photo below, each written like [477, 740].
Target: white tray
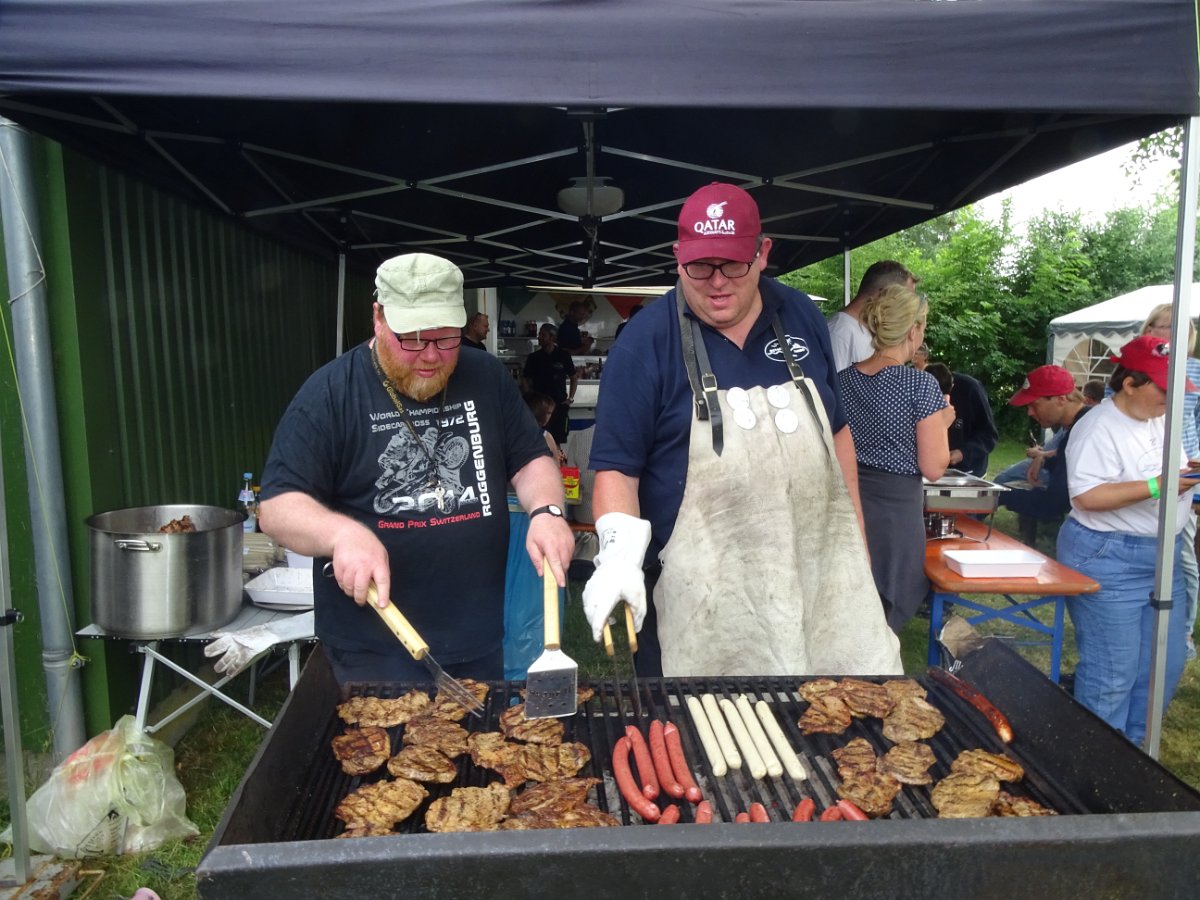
[994, 563]
[282, 588]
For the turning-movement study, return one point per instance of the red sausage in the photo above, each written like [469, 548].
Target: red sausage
[628, 787]
[995, 718]
[679, 764]
[833, 814]
[645, 765]
[742, 818]
[662, 763]
[805, 810]
[851, 812]
[669, 816]
[704, 813]
[758, 813]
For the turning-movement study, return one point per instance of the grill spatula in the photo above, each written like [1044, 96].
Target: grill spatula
[413, 642]
[550, 685]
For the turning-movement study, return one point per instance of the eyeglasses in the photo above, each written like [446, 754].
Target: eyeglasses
[417, 345]
[703, 271]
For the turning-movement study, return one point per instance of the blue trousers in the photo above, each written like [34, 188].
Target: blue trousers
[1115, 627]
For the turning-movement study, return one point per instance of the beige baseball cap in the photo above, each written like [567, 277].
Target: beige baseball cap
[420, 291]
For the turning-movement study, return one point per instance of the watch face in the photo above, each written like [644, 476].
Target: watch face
[554, 510]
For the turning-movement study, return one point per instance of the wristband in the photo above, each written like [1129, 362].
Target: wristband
[1153, 485]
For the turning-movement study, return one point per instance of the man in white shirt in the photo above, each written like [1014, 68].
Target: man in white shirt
[850, 338]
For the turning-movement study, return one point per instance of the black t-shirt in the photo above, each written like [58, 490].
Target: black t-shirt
[570, 338]
[548, 373]
[343, 442]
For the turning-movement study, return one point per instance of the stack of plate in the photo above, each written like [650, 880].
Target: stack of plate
[259, 553]
[282, 588]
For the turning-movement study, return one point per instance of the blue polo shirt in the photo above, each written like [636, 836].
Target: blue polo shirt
[644, 413]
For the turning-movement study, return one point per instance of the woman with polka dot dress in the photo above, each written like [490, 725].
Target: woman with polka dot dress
[898, 417]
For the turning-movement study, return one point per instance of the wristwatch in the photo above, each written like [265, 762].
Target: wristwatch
[552, 509]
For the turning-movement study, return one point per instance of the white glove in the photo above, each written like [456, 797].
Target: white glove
[623, 542]
[238, 649]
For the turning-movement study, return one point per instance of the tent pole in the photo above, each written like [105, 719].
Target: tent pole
[846, 276]
[1185, 242]
[341, 304]
[43, 451]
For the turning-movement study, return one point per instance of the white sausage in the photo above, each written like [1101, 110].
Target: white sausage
[753, 761]
[724, 738]
[708, 739]
[791, 761]
[761, 744]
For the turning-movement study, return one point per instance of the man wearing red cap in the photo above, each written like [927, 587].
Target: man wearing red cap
[721, 445]
[1053, 401]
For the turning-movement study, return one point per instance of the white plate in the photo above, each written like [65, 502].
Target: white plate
[282, 588]
[994, 563]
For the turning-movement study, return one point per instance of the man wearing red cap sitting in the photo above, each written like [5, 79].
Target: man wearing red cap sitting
[1053, 401]
[721, 445]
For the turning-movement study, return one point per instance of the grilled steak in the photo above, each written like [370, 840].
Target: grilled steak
[855, 758]
[865, 698]
[451, 710]
[1008, 805]
[490, 749]
[826, 714]
[811, 690]
[381, 804]
[913, 719]
[908, 762]
[980, 762]
[421, 763]
[386, 713]
[582, 815]
[448, 738]
[533, 731]
[872, 792]
[552, 795]
[469, 809]
[899, 688]
[963, 796]
[537, 762]
[362, 750]
[366, 831]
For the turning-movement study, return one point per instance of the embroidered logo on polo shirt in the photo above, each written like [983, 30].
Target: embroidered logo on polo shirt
[716, 224]
[799, 347]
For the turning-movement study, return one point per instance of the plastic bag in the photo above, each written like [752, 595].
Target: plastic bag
[116, 794]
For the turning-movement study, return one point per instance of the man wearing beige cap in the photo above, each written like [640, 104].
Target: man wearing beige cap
[391, 464]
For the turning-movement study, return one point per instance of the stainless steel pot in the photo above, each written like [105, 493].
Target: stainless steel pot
[146, 584]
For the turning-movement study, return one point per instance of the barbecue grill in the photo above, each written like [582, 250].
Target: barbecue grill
[1127, 828]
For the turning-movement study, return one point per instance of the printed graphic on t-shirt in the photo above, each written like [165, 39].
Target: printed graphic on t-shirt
[440, 470]
[798, 345]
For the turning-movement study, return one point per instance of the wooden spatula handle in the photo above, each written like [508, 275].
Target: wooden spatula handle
[398, 625]
[550, 599]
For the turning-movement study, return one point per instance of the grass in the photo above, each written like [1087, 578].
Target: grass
[211, 759]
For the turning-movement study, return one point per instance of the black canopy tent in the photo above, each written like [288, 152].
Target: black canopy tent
[372, 126]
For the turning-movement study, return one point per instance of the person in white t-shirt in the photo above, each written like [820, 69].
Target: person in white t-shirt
[849, 336]
[1111, 535]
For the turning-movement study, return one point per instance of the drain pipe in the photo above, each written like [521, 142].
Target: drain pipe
[35, 387]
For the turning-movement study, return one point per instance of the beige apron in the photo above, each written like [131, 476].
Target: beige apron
[766, 571]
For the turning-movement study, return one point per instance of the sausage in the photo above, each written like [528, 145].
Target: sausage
[805, 810]
[728, 748]
[851, 812]
[758, 736]
[832, 814]
[629, 789]
[758, 813]
[754, 762]
[779, 740]
[704, 812]
[981, 703]
[679, 764]
[670, 815]
[708, 738]
[662, 762]
[645, 765]
[742, 818]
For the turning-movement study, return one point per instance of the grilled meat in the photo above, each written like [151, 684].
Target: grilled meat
[899, 688]
[451, 710]
[908, 762]
[448, 738]
[580, 815]
[362, 750]
[980, 762]
[873, 792]
[366, 831]
[469, 809]
[490, 749]
[381, 804]
[533, 731]
[551, 795]
[913, 719]
[811, 690]
[865, 698]
[826, 714]
[421, 763]
[1009, 805]
[386, 713]
[537, 762]
[179, 526]
[855, 758]
[964, 796]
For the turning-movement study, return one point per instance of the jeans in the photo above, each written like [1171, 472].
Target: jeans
[1191, 572]
[1115, 627]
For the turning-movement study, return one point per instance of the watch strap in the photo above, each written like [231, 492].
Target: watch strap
[552, 508]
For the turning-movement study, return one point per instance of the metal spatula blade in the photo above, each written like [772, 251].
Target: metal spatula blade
[550, 687]
[416, 646]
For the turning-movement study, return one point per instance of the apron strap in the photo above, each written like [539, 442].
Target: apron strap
[797, 374]
[699, 370]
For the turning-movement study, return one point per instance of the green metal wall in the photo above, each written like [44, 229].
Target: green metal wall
[179, 338]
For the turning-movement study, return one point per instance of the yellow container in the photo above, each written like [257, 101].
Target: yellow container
[570, 479]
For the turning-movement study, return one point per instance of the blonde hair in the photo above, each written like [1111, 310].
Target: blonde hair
[1158, 312]
[892, 313]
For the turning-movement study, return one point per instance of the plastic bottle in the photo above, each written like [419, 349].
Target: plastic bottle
[248, 504]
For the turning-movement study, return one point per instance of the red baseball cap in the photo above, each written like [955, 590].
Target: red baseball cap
[1149, 355]
[719, 221]
[1044, 381]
